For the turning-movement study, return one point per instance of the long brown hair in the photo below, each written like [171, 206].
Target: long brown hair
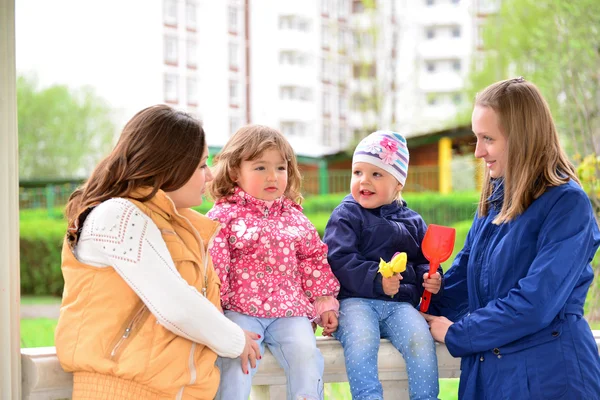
[159, 148]
[536, 160]
[247, 144]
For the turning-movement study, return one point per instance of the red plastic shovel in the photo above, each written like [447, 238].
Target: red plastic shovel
[437, 246]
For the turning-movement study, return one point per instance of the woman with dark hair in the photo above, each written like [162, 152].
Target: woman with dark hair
[516, 290]
[140, 315]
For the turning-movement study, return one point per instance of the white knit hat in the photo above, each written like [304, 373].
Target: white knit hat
[386, 150]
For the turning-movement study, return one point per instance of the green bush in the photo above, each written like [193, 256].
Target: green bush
[42, 235]
[40, 246]
[433, 207]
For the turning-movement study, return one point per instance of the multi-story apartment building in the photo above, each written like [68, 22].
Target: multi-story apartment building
[322, 71]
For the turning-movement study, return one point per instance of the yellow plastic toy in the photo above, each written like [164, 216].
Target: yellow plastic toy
[395, 266]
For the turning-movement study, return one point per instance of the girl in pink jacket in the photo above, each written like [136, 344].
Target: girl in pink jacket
[275, 279]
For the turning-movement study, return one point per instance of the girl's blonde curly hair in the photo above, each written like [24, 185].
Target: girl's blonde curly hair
[248, 144]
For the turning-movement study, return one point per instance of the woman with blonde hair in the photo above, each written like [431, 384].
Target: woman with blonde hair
[140, 315]
[512, 308]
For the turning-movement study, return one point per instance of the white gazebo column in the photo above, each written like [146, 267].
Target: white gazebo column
[10, 353]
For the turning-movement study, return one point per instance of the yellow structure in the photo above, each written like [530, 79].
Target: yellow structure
[445, 165]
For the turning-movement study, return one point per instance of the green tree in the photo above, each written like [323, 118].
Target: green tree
[556, 45]
[62, 132]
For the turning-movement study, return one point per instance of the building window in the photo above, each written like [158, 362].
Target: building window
[456, 31]
[171, 54]
[342, 105]
[293, 22]
[190, 15]
[286, 93]
[456, 65]
[430, 33]
[293, 128]
[457, 98]
[285, 22]
[235, 123]
[234, 92]
[326, 106]
[358, 6]
[364, 70]
[343, 9]
[432, 99]
[325, 39]
[171, 88]
[292, 58]
[326, 135]
[170, 12]
[342, 34]
[233, 19]
[233, 56]
[487, 6]
[430, 66]
[295, 93]
[192, 90]
[192, 53]
[325, 7]
[285, 57]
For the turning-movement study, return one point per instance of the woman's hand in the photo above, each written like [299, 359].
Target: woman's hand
[433, 284]
[391, 285]
[438, 326]
[329, 320]
[251, 351]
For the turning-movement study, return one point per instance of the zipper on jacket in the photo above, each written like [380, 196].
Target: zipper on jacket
[127, 332]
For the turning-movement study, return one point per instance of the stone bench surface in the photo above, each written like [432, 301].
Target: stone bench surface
[44, 379]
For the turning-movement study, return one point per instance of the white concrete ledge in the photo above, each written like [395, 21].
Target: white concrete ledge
[44, 379]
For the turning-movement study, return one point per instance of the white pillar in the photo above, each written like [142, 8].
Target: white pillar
[10, 354]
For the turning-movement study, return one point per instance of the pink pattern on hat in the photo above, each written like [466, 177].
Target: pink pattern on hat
[388, 157]
[389, 145]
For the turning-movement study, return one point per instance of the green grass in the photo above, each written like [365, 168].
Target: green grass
[37, 332]
[34, 300]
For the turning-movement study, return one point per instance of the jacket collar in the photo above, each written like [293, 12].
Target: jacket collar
[244, 199]
[496, 198]
[162, 205]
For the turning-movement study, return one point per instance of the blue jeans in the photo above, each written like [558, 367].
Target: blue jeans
[292, 342]
[362, 323]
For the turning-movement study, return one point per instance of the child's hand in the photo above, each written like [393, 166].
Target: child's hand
[391, 285]
[251, 351]
[432, 284]
[329, 320]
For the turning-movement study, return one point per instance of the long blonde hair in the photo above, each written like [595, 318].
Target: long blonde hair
[248, 144]
[536, 160]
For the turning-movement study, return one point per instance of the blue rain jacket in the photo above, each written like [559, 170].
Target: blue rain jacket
[358, 237]
[516, 292]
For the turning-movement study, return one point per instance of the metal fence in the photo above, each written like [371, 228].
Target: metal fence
[48, 196]
[52, 194]
[420, 179]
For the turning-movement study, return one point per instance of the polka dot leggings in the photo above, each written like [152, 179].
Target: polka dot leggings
[362, 323]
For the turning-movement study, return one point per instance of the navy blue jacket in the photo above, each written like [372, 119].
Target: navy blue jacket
[516, 292]
[357, 237]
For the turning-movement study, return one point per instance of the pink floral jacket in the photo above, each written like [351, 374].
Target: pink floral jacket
[271, 260]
